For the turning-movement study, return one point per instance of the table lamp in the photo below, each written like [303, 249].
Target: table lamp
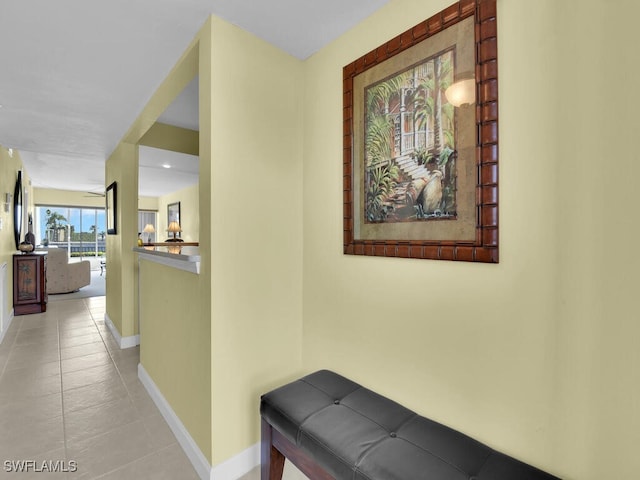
[148, 229]
[174, 228]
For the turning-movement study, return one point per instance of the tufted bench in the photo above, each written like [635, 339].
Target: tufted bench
[332, 428]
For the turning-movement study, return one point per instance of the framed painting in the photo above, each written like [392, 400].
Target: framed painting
[173, 221]
[420, 164]
[17, 210]
[173, 213]
[111, 196]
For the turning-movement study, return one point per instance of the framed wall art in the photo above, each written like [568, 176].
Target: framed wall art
[173, 213]
[111, 197]
[17, 209]
[420, 165]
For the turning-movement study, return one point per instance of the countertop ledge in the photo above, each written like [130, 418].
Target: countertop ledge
[187, 258]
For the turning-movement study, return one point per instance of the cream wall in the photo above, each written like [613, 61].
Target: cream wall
[122, 166]
[148, 203]
[247, 299]
[189, 214]
[9, 167]
[67, 198]
[174, 306]
[175, 345]
[122, 302]
[8, 173]
[255, 227]
[536, 356]
[598, 380]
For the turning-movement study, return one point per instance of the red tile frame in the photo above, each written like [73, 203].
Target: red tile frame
[485, 246]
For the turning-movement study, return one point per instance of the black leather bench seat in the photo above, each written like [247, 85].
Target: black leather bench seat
[350, 432]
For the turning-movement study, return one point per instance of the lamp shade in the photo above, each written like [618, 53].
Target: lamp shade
[148, 228]
[174, 227]
[461, 92]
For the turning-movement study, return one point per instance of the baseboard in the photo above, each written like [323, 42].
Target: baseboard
[195, 455]
[6, 329]
[124, 342]
[237, 466]
[231, 469]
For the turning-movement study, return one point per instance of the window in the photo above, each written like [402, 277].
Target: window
[81, 231]
[147, 217]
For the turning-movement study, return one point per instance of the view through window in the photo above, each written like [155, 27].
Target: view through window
[81, 231]
[146, 218]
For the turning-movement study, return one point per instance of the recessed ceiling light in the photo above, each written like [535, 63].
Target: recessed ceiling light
[166, 165]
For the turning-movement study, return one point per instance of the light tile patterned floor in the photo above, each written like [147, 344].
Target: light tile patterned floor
[290, 473]
[68, 394]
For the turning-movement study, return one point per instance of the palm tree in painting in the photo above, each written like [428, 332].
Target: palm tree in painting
[431, 108]
[404, 115]
[428, 102]
[444, 140]
[381, 173]
[443, 129]
[380, 119]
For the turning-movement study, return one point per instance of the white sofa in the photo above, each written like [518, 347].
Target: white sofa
[65, 277]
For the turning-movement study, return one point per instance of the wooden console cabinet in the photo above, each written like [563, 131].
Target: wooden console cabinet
[29, 284]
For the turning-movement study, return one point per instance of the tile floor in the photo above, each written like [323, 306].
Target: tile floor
[290, 473]
[70, 396]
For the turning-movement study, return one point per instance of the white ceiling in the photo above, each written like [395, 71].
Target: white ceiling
[75, 74]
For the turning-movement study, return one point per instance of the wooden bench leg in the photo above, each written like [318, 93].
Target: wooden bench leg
[271, 460]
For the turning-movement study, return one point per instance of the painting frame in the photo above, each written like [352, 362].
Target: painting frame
[17, 209]
[174, 214]
[111, 199]
[479, 243]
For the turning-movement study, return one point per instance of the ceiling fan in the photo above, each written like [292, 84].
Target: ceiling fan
[94, 194]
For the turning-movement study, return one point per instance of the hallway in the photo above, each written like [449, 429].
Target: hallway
[71, 401]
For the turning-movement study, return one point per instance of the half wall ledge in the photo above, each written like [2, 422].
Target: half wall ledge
[180, 256]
